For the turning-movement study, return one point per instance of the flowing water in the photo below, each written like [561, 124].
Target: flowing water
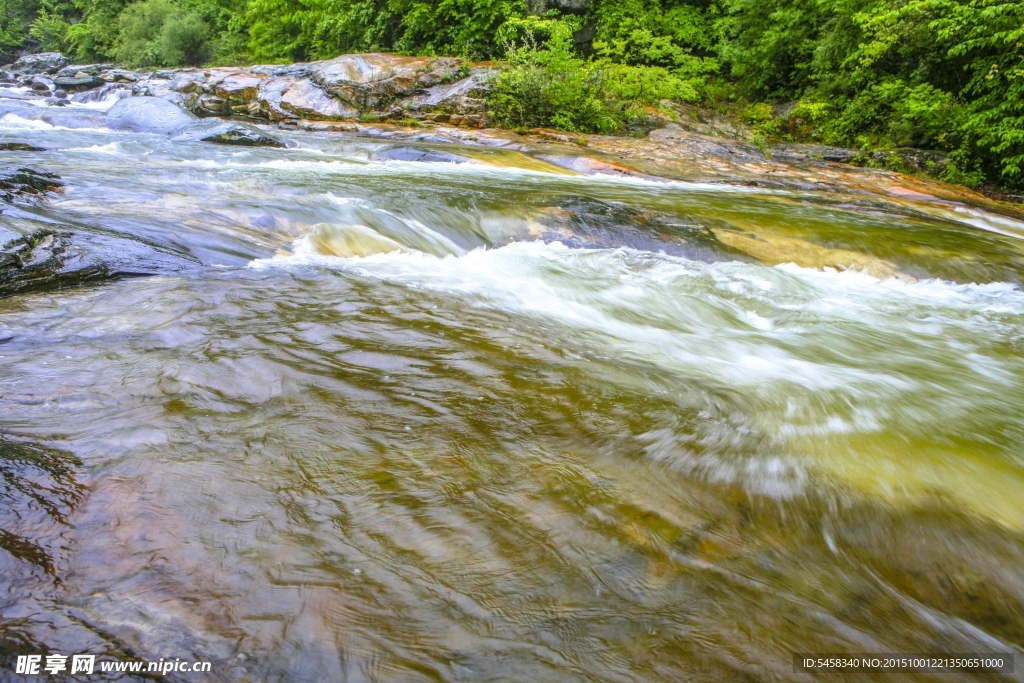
[496, 421]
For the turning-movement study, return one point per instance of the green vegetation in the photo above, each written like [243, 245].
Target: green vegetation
[943, 75]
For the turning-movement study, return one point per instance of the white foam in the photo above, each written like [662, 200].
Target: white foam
[680, 313]
[11, 121]
[109, 148]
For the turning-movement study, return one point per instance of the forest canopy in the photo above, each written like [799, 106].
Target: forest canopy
[872, 74]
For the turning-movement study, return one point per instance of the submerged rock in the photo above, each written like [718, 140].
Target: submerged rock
[591, 166]
[36, 262]
[235, 136]
[20, 147]
[148, 115]
[420, 155]
[39, 492]
[583, 222]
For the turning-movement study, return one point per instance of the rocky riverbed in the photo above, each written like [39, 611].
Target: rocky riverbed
[327, 391]
[428, 109]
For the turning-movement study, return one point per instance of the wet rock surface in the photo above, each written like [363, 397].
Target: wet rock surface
[41, 63]
[20, 147]
[229, 133]
[419, 154]
[40, 483]
[27, 181]
[74, 83]
[51, 259]
[583, 222]
[148, 115]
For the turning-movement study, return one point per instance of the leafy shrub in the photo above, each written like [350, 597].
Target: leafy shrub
[552, 86]
[547, 83]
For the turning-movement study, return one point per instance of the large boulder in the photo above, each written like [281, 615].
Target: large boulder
[148, 115]
[307, 100]
[227, 92]
[41, 63]
[373, 80]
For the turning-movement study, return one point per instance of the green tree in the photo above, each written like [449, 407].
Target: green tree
[162, 33]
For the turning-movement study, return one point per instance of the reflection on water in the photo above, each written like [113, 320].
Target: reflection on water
[482, 422]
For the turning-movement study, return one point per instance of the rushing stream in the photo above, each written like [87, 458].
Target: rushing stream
[495, 421]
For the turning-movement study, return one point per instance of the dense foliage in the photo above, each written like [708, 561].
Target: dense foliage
[874, 74]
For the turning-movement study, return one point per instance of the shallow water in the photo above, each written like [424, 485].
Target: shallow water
[492, 421]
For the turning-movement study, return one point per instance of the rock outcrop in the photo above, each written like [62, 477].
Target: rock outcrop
[56, 259]
[372, 86]
[350, 87]
[41, 63]
[22, 181]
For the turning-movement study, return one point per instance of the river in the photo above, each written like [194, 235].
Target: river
[496, 421]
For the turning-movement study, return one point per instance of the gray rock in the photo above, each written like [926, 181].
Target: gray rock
[119, 76]
[696, 145]
[269, 98]
[238, 86]
[565, 6]
[21, 181]
[88, 69]
[148, 115]
[57, 259]
[420, 155]
[802, 152]
[307, 100]
[209, 105]
[41, 63]
[74, 83]
[371, 81]
[229, 133]
[448, 96]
